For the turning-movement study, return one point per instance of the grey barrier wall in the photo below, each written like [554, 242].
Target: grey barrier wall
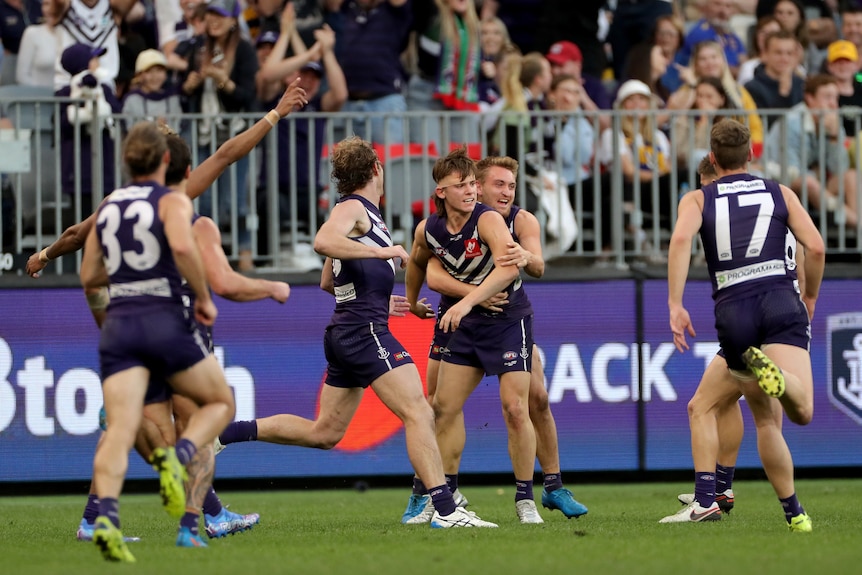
[576, 175]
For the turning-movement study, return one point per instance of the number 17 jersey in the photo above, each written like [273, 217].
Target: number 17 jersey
[745, 237]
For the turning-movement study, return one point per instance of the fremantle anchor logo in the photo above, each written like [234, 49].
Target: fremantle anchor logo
[844, 363]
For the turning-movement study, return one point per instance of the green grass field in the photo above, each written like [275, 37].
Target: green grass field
[348, 532]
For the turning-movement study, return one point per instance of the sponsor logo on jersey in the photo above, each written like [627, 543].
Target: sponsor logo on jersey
[727, 278]
[344, 293]
[472, 248]
[844, 363]
[741, 186]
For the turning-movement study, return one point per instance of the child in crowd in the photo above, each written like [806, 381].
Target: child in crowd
[150, 97]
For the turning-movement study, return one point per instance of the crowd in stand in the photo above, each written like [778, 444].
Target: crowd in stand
[501, 59]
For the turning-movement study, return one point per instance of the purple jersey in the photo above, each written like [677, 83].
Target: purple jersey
[467, 258]
[188, 297]
[136, 252]
[363, 286]
[745, 237]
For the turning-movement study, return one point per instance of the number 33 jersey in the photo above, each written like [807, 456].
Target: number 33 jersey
[135, 250]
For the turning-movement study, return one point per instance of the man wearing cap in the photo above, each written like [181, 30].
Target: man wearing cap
[266, 89]
[85, 22]
[842, 61]
[566, 58]
[149, 98]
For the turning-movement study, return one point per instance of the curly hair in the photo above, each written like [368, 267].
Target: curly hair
[353, 162]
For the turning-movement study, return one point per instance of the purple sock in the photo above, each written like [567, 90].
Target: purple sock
[441, 498]
[91, 511]
[791, 506]
[553, 481]
[452, 482]
[212, 504]
[239, 431]
[191, 520]
[704, 488]
[110, 508]
[523, 490]
[185, 450]
[723, 478]
[419, 487]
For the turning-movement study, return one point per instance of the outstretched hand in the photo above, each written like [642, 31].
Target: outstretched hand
[293, 98]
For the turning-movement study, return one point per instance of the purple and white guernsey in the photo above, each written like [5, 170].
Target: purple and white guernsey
[363, 286]
[136, 252]
[749, 248]
[467, 258]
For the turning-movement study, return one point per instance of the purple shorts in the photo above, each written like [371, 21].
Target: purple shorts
[159, 390]
[359, 354]
[439, 344]
[771, 317]
[496, 347]
[164, 342]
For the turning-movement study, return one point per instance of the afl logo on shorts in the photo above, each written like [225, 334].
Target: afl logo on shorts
[471, 248]
[509, 356]
[844, 363]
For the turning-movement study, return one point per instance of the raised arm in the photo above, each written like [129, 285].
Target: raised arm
[336, 95]
[221, 276]
[240, 145]
[277, 67]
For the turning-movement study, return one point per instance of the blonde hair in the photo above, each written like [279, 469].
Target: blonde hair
[639, 122]
[734, 96]
[448, 29]
[511, 87]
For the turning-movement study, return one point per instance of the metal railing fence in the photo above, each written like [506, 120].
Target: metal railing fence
[598, 210]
